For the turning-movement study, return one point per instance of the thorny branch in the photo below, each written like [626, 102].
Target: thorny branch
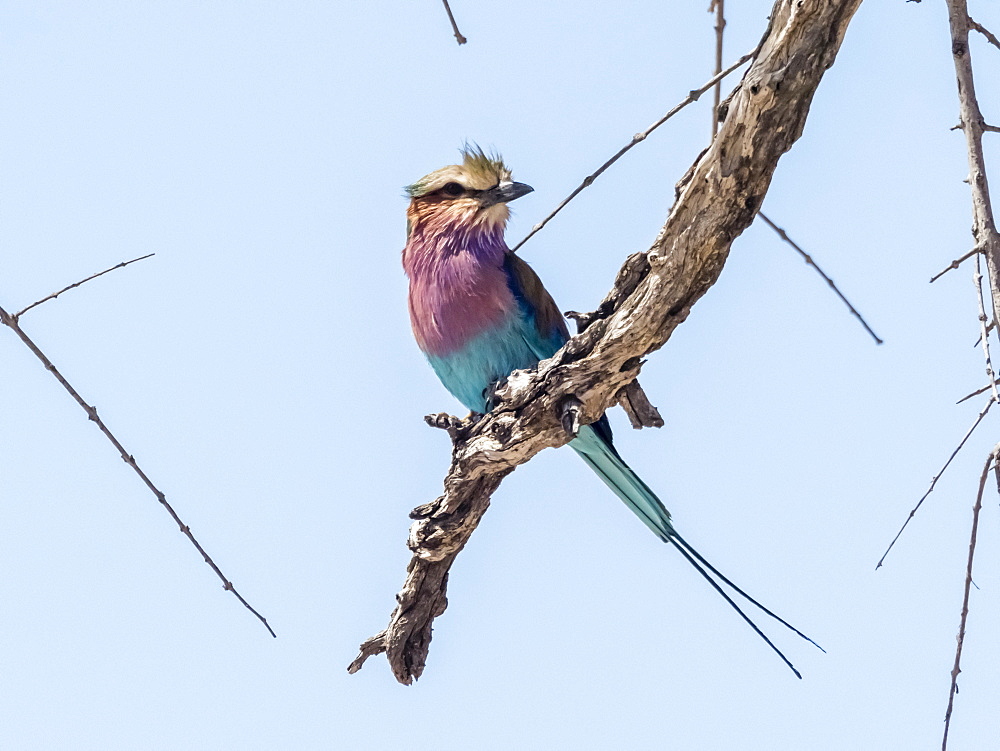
[720, 25]
[717, 199]
[935, 478]
[692, 96]
[990, 460]
[984, 231]
[54, 295]
[809, 261]
[956, 263]
[12, 322]
[977, 280]
[979, 391]
[994, 399]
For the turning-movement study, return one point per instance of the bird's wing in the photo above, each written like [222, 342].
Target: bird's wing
[547, 331]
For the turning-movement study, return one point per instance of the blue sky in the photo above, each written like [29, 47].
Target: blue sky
[261, 369]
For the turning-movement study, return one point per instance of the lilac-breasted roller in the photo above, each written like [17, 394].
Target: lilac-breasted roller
[479, 312]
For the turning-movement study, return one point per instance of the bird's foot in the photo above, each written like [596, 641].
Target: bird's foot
[492, 393]
[457, 427]
[569, 416]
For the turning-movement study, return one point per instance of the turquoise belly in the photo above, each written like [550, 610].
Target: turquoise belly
[469, 373]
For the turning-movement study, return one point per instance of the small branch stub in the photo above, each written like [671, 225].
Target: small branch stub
[454, 26]
[641, 413]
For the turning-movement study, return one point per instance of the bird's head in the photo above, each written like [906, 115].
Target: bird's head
[467, 197]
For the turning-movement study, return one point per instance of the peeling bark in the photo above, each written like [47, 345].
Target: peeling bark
[717, 199]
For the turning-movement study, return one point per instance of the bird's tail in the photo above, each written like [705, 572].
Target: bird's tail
[602, 457]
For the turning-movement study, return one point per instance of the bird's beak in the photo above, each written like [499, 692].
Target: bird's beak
[503, 193]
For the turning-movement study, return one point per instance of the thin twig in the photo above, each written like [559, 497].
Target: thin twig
[458, 34]
[808, 259]
[991, 38]
[913, 511]
[977, 279]
[8, 320]
[718, 6]
[692, 96]
[956, 263]
[993, 325]
[991, 459]
[54, 295]
[977, 392]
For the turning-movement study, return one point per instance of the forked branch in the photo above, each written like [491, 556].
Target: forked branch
[717, 199]
[984, 231]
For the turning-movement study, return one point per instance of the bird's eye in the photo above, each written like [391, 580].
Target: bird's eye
[453, 189]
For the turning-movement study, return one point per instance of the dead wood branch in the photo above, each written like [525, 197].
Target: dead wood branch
[810, 262]
[719, 8]
[984, 229]
[717, 199]
[10, 321]
[990, 36]
[54, 295]
[935, 478]
[638, 138]
[956, 263]
[984, 335]
[963, 619]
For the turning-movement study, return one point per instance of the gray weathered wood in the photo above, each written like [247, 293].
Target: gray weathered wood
[984, 228]
[717, 199]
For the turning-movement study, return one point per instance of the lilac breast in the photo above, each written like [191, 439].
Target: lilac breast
[458, 289]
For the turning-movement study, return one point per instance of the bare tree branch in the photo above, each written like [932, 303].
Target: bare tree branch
[982, 390]
[54, 295]
[641, 412]
[913, 511]
[990, 37]
[984, 229]
[956, 263]
[720, 24]
[692, 96]
[717, 199]
[8, 320]
[719, 7]
[991, 459]
[808, 259]
[986, 237]
[454, 26]
[977, 279]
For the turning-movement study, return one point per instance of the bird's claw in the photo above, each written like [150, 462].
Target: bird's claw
[569, 416]
[492, 393]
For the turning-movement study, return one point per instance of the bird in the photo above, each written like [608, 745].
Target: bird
[478, 312]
